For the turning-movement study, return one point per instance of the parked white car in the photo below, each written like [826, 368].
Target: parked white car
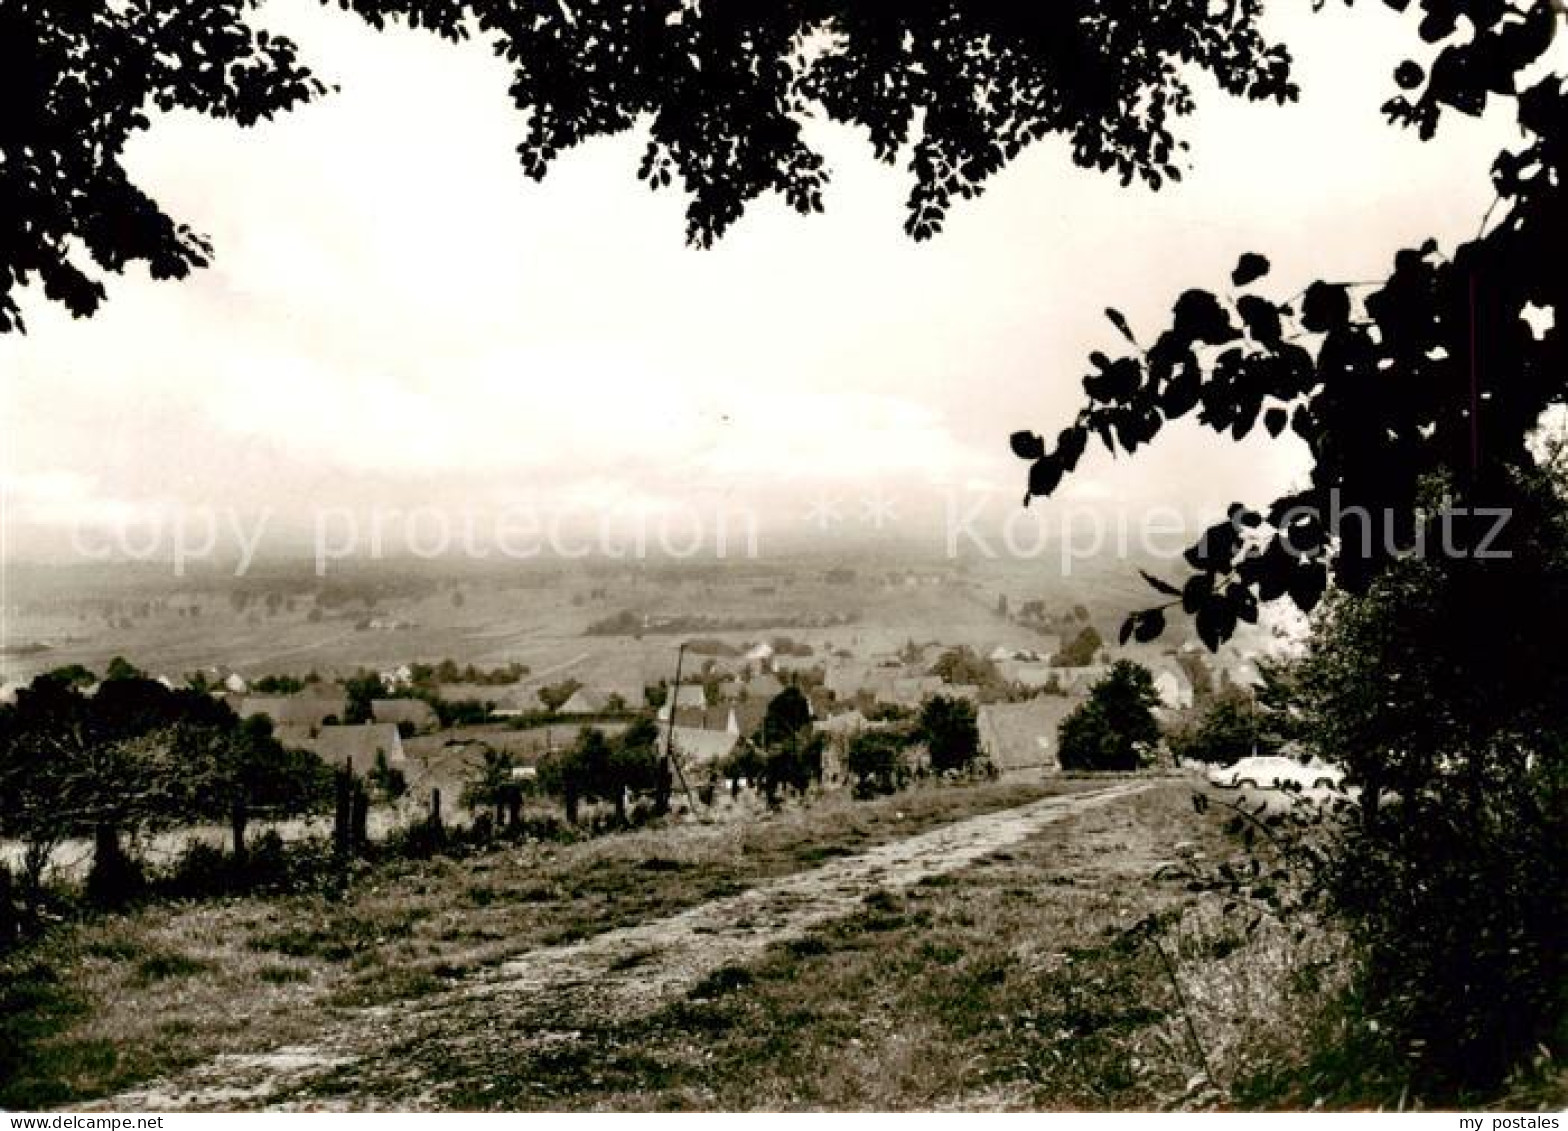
[1275, 772]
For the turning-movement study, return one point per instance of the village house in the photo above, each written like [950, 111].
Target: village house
[511, 700]
[358, 746]
[309, 711]
[601, 701]
[698, 746]
[687, 695]
[1033, 674]
[1076, 681]
[912, 691]
[763, 687]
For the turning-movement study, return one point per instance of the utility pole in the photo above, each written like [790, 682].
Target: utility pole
[672, 701]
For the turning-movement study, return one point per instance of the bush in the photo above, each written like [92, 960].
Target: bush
[419, 840]
[1460, 912]
[1452, 873]
[793, 764]
[200, 871]
[875, 759]
[948, 728]
[115, 878]
[1228, 731]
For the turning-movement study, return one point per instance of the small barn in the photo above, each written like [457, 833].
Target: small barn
[763, 687]
[358, 745]
[601, 701]
[688, 696]
[697, 746]
[293, 711]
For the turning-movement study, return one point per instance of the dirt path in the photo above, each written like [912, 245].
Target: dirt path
[540, 997]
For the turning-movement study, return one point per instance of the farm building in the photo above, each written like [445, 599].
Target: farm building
[358, 745]
[405, 713]
[687, 695]
[1031, 673]
[696, 746]
[911, 691]
[1022, 736]
[762, 687]
[509, 699]
[308, 711]
[600, 701]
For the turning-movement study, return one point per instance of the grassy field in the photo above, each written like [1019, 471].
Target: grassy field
[98, 1006]
[1010, 985]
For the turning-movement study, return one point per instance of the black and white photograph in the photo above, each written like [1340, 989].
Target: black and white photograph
[804, 556]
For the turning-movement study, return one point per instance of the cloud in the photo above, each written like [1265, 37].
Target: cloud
[68, 500]
[397, 314]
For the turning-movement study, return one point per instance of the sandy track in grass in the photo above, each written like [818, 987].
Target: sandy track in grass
[545, 993]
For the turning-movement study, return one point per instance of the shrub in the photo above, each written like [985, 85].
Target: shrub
[1229, 730]
[948, 728]
[200, 871]
[1451, 873]
[875, 759]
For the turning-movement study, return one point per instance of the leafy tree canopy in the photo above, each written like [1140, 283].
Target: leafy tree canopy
[1231, 728]
[1115, 728]
[1443, 370]
[1433, 690]
[788, 715]
[960, 87]
[1081, 650]
[947, 726]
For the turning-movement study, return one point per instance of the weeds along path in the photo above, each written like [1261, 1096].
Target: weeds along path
[541, 997]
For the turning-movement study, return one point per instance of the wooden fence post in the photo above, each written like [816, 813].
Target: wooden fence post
[360, 836]
[342, 817]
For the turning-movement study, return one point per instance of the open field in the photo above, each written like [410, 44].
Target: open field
[948, 947]
[94, 1009]
[289, 621]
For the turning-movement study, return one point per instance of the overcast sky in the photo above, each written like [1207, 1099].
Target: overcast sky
[397, 318]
